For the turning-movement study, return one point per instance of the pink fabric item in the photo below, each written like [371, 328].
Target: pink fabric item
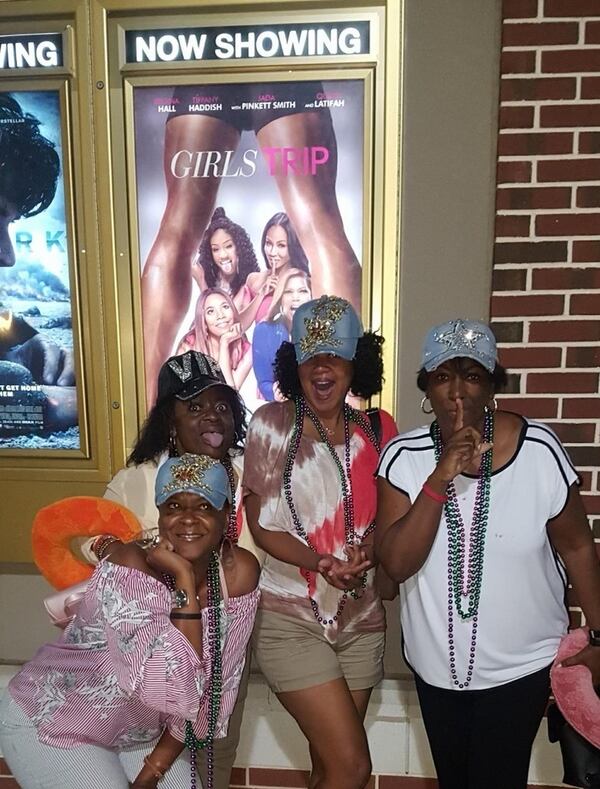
[573, 690]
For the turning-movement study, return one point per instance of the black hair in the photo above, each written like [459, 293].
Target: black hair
[247, 262]
[297, 255]
[154, 435]
[29, 163]
[498, 377]
[367, 376]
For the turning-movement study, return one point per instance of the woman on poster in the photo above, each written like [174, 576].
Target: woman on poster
[281, 251]
[309, 200]
[156, 649]
[319, 635]
[217, 332]
[472, 513]
[293, 289]
[226, 259]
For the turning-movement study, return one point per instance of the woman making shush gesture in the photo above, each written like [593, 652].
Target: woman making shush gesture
[472, 511]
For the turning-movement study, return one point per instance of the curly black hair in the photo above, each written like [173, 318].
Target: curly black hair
[29, 163]
[367, 376]
[247, 262]
[297, 255]
[153, 438]
[498, 377]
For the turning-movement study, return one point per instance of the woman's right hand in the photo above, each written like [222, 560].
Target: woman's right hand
[464, 447]
[269, 285]
[163, 558]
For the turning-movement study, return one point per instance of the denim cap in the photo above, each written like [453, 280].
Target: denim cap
[187, 375]
[197, 474]
[326, 325]
[459, 337]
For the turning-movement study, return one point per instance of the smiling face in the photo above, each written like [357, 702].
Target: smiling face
[276, 248]
[205, 424]
[191, 524]
[296, 292]
[224, 253]
[217, 314]
[460, 378]
[8, 214]
[325, 381]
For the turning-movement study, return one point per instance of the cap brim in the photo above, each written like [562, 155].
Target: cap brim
[195, 388]
[573, 689]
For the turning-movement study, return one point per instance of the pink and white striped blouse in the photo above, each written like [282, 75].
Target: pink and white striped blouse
[121, 672]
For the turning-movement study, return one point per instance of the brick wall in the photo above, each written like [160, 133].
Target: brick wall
[545, 304]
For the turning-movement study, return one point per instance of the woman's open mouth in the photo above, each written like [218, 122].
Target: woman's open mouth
[213, 438]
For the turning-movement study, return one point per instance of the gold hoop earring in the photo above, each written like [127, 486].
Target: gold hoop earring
[494, 406]
[423, 409]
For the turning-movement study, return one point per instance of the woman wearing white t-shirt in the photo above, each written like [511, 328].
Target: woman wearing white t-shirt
[480, 519]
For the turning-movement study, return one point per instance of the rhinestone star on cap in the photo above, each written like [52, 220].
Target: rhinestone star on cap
[459, 336]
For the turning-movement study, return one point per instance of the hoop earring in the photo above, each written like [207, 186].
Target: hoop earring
[494, 404]
[423, 409]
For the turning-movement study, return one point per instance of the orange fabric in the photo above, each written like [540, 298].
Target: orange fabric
[57, 524]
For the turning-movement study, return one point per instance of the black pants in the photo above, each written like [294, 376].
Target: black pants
[482, 739]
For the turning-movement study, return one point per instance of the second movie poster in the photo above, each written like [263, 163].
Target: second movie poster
[250, 202]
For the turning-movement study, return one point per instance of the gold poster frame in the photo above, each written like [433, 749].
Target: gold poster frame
[380, 195]
[61, 86]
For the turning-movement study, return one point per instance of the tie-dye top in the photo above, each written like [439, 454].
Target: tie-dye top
[121, 671]
[317, 497]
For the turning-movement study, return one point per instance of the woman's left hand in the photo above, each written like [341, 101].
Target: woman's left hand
[589, 656]
[344, 574]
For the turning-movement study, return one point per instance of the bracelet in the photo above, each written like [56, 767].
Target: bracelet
[157, 772]
[594, 638]
[101, 543]
[183, 615]
[430, 493]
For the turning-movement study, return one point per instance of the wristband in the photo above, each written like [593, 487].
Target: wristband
[101, 543]
[595, 638]
[430, 493]
[157, 772]
[183, 615]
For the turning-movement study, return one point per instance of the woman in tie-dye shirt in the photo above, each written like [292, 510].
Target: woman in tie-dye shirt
[311, 505]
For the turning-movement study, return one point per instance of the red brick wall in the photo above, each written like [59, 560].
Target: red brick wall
[545, 303]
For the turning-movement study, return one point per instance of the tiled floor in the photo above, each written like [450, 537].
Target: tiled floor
[266, 778]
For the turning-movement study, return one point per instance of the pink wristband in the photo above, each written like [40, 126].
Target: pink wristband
[430, 492]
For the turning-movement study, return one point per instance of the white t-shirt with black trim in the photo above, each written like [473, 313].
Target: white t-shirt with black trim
[522, 611]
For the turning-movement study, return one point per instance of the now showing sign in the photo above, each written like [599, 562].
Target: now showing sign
[32, 50]
[247, 42]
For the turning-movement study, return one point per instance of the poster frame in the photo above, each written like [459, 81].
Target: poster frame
[62, 87]
[381, 197]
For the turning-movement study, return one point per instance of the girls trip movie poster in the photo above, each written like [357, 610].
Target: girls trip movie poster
[250, 202]
[38, 402]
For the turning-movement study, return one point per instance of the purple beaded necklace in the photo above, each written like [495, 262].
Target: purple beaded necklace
[302, 409]
[213, 585]
[465, 572]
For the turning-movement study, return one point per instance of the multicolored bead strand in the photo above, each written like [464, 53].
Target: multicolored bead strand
[231, 531]
[213, 584]
[465, 570]
[303, 410]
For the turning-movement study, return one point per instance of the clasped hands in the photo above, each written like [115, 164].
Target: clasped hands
[345, 574]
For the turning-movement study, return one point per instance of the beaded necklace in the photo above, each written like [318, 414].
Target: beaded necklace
[302, 409]
[465, 574]
[213, 583]
[231, 531]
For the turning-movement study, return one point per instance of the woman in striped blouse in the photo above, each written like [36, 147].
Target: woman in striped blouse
[156, 650]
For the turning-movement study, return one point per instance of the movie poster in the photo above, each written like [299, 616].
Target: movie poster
[38, 402]
[250, 202]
